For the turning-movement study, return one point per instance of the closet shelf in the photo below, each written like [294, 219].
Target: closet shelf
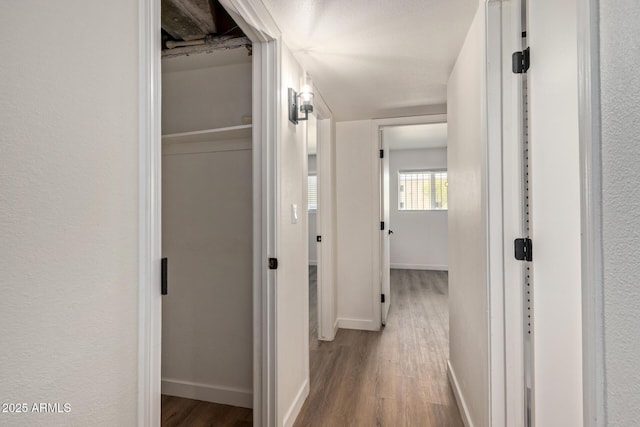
[218, 134]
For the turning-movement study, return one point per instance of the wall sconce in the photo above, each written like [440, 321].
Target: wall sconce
[306, 106]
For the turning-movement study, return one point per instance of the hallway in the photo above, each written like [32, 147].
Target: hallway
[396, 377]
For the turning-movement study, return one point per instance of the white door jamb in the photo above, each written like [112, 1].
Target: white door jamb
[149, 213]
[327, 324]
[593, 367]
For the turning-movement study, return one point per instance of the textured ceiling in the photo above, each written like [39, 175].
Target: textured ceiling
[376, 58]
[416, 136]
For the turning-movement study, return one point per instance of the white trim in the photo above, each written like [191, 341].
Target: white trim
[494, 201]
[593, 368]
[296, 405]
[512, 284]
[360, 324]
[266, 51]
[457, 393]
[253, 17]
[411, 120]
[325, 225]
[255, 21]
[208, 393]
[149, 214]
[265, 211]
[434, 267]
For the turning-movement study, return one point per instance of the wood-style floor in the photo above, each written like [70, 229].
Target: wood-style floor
[180, 412]
[396, 377]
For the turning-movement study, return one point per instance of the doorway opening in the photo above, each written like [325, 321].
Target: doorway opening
[207, 237]
[264, 87]
[413, 202]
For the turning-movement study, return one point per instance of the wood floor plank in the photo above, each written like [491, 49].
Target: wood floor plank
[181, 412]
[396, 377]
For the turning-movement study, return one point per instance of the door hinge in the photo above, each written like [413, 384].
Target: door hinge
[520, 61]
[318, 239]
[273, 263]
[382, 154]
[523, 249]
[164, 286]
[382, 225]
[382, 298]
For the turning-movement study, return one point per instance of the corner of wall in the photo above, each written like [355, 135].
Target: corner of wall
[296, 405]
[457, 393]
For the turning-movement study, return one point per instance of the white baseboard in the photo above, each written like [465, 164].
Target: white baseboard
[360, 324]
[435, 267]
[462, 405]
[208, 393]
[295, 407]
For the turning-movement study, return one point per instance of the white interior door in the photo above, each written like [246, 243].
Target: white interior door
[385, 278]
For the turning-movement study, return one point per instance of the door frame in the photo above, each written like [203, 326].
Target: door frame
[258, 25]
[385, 227]
[593, 360]
[502, 207]
[326, 309]
[376, 128]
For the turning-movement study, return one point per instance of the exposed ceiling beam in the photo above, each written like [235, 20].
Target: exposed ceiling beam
[188, 19]
[208, 45]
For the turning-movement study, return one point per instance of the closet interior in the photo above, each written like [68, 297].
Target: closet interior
[207, 238]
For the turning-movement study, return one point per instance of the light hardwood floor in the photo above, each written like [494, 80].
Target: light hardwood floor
[396, 377]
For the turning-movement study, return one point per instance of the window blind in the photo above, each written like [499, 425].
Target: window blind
[312, 192]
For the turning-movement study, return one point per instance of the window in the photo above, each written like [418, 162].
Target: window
[312, 193]
[422, 190]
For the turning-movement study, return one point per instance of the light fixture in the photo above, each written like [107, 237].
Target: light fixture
[306, 105]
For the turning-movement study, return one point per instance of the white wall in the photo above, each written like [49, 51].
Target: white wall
[207, 331]
[419, 239]
[205, 98]
[313, 232]
[69, 210]
[555, 213]
[620, 91]
[292, 299]
[468, 308]
[357, 216]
